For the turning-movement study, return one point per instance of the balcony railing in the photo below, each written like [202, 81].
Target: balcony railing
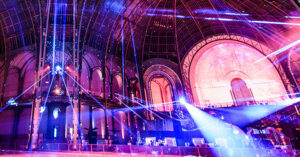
[163, 150]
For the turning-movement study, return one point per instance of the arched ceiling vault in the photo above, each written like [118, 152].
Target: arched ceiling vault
[158, 25]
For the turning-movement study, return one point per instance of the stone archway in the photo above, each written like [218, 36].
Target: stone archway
[224, 58]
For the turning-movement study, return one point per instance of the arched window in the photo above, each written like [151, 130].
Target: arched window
[97, 83]
[117, 87]
[161, 94]
[134, 90]
[214, 67]
[241, 94]
[12, 83]
[294, 65]
[28, 74]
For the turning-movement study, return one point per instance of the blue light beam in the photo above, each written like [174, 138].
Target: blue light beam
[129, 131]
[54, 35]
[42, 109]
[135, 59]
[132, 110]
[211, 127]
[31, 86]
[78, 125]
[252, 113]
[218, 12]
[123, 54]
[46, 99]
[64, 34]
[145, 107]
[3, 108]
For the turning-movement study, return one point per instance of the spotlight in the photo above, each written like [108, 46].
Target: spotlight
[43, 108]
[56, 113]
[11, 101]
[210, 127]
[67, 67]
[182, 100]
[57, 68]
[58, 91]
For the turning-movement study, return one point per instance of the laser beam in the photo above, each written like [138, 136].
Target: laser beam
[78, 125]
[130, 132]
[135, 59]
[280, 50]
[50, 86]
[123, 55]
[131, 110]
[54, 35]
[145, 107]
[31, 86]
[42, 109]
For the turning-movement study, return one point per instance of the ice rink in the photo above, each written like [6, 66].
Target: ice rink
[73, 154]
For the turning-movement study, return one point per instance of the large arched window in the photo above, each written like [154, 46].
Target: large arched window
[161, 94]
[217, 64]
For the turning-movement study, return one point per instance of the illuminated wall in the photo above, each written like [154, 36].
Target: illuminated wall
[85, 118]
[99, 122]
[24, 123]
[217, 64]
[6, 121]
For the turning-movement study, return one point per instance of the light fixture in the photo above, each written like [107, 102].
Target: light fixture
[56, 113]
[57, 91]
[12, 101]
[55, 132]
[235, 131]
[58, 68]
[42, 109]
